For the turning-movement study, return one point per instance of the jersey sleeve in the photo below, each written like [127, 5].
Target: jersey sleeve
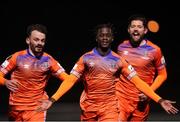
[159, 59]
[126, 69]
[9, 64]
[55, 67]
[78, 68]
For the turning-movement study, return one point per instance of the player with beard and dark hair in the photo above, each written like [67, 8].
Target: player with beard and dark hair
[147, 60]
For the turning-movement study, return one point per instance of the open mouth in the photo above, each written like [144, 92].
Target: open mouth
[135, 34]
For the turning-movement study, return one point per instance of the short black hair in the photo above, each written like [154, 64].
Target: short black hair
[39, 27]
[105, 25]
[140, 17]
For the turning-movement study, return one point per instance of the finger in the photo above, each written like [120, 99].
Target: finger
[12, 85]
[16, 83]
[172, 101]
[40, 100]
[13, 89]
[168, 111]
[175, 110]
[39, 109]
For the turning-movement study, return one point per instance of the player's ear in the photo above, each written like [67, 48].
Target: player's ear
[27, 40]
[128, 30]
[146, 30]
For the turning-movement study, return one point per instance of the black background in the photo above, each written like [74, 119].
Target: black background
[70, 34]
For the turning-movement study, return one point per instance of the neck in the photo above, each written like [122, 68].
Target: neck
[103, 51]
[135, 43]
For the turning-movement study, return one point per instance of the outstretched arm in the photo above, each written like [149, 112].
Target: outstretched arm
[142, 86]
[161, 77]
[65, 86]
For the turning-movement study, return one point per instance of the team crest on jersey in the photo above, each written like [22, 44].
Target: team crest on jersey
[5, 64]
[44, 66]
[145, 55]
[112, 67]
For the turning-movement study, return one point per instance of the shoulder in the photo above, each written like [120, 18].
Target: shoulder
[115, 54]
[124, 42]
[88, 53]
[47, 54]
[18, 53]
[149, 43]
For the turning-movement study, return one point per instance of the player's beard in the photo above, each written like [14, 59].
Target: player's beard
[37, 50]
[136, 42]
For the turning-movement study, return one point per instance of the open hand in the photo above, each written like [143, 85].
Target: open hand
[168, 107]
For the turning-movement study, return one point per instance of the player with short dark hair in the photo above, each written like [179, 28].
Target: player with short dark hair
[31, 69]
[100, 69]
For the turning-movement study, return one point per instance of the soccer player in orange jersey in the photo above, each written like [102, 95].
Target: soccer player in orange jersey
[147, 59]
[30, 69]
[100, 68]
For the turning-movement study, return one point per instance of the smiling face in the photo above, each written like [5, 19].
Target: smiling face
[104, 37]
[36, 42]
[137, 30]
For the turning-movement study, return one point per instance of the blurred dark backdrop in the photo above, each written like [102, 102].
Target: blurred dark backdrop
[70, 34]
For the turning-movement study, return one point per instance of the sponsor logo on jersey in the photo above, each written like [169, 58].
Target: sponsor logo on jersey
[44, 66]
[26, 66]
[125, 52]
[145, 55]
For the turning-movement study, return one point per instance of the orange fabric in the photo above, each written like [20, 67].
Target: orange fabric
[65, 86]
[63, 76]
[99, 74]
[142, 86]
[106, 115]
[27, 116]
[161, 77]
[32, 73]
[141, 113]
[131, 110]
[147, 59]
[2, 79]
